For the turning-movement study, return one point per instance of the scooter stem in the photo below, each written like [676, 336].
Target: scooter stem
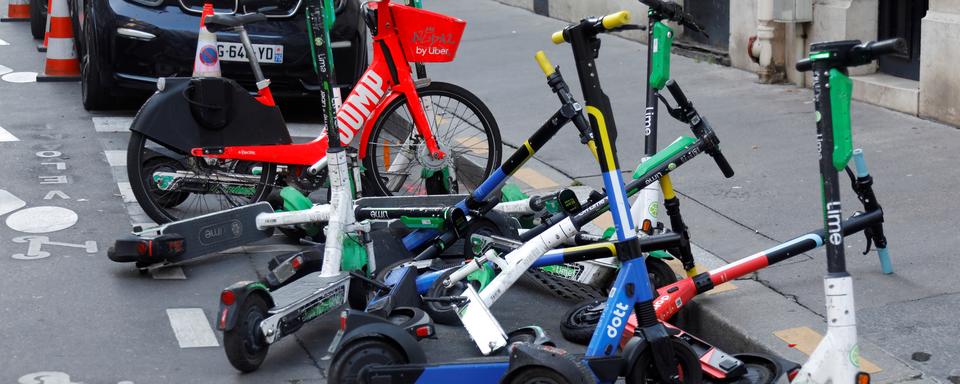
[837, 357]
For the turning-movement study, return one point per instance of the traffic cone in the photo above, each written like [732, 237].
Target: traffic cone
[42, 47]
[17, 10]
[62, 63]
[206, 63]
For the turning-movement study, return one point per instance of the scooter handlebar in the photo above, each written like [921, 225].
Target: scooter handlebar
[545, 65]
[684, 104]
[602, 24]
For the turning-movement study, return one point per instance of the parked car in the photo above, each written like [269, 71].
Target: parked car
[125, 45]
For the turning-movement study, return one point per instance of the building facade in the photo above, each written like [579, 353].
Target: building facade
[768, 36]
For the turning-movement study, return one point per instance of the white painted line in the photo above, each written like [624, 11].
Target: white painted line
[126, 192]
[6, 136]
[191, 328]
[112, 124]
[42, 219]
[116, 158]
[20, 77]
[9, 202]
[168, 273]
[5, 70]
[4, 42]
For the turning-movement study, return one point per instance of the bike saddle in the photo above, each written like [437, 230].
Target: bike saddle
[224, 22]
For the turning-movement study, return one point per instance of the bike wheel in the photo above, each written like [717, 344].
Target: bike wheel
[244, 344]
[350, 359]
[175, 188]
[578, 323]
[397, 161]
[688, 366]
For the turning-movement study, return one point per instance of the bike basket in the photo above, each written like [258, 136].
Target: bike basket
[427, 37]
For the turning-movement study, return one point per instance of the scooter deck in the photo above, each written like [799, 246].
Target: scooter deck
[218, 231]
[303, 290]
[303, 300]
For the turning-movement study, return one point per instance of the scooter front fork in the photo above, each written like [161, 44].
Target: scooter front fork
[837, 357]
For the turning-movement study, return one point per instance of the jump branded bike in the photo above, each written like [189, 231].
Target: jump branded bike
[201, 145]
[368, 351]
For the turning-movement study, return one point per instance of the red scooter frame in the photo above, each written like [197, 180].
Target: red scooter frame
[387, 78]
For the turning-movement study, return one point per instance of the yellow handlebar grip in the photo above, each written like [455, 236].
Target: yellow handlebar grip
[615, 20]
[545, 64]
[557, 37]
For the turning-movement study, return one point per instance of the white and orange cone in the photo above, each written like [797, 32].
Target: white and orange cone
[42, 47]
[206, 63]
[17, 10]
[62, 63]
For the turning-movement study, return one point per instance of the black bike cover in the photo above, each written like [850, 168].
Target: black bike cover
[208, 112]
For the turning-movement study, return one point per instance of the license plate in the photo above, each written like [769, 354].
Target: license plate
[236, 52]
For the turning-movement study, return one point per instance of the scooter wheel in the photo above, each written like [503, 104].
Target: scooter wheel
[579, 321]
[688, 365]
[244, 344]
[350, 359]
[539, 375]
[442, 313]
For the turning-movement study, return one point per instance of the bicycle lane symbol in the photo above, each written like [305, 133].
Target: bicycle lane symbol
[52, 377]
[42, 219]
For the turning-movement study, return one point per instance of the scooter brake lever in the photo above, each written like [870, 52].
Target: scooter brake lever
[676, 112]
[372, 282]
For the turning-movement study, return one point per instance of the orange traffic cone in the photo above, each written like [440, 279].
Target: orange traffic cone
[17, 10]
[42, 47]
[206, 63]
[62, 63]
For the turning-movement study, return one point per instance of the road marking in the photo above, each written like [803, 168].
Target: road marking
[9, 202]
[5, 70]
[6, 136]
[35, 247]
[805, 340]
[20, 77]
[168, 273]
[191, 327]
[4, 42]
[534, 179]
[56, 193]
[112, 124]
[126, 192]
[42, 219]
[116, 158]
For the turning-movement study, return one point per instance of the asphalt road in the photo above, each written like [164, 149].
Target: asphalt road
[74, 313]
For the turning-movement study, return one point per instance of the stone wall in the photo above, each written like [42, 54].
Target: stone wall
[940, 53]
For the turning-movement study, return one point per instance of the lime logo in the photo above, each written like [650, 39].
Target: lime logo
[653, 208]
[818, 116]
[855, 356]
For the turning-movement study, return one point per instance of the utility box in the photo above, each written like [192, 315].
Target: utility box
[793, 11]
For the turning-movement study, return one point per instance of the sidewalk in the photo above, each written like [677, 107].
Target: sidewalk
[768, 135]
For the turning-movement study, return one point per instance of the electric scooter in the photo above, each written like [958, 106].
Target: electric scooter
[201, 145]
[365, 357]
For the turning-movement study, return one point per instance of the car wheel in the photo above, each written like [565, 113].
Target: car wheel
[94, 94]
[38, 18]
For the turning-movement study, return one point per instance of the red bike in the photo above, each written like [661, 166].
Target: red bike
[201, 145]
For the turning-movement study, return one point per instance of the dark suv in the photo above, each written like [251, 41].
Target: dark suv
[125, 45]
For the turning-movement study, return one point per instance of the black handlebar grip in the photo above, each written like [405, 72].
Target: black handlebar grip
[883, 47]
[537, 203]
[722, 163]
[804, 65]
[677, 93]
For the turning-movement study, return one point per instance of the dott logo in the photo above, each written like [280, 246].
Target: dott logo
[359, 106]
[619, 313]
